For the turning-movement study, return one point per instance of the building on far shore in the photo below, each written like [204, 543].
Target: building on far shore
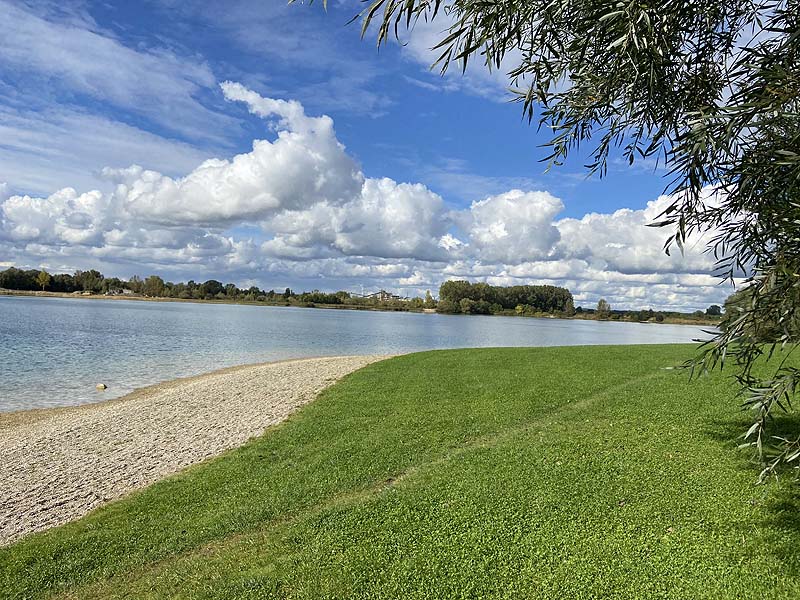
[382, 296]
[120, 292]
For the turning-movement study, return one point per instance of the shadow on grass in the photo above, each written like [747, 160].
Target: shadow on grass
[783, 519]
[781, 496]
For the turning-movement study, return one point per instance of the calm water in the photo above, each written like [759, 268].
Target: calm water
[53, 351]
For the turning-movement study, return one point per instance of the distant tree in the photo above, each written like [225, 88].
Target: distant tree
[767, 329]
[569, 307]
[287, 293]
[455, 290]
[178, 290]
[482, 307]
[466, 306]
[135, 284]
[89, 281]
[317, 297]
[416, 303]
[62, 282]
[714, 310]
[43, 279]
[8, 279]
[112, 283]
[93, 280]
[153, 286]
[542, 298]
[429, 301]
[447, 306]
[213, 288]
[603, 310]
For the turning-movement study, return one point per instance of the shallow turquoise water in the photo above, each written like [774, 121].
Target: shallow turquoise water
[54, 350]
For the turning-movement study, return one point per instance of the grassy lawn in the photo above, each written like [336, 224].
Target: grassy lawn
[587, 472]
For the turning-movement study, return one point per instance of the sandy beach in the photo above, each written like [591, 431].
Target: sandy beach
[59, 464]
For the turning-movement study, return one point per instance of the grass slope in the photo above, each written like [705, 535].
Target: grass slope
[586, 472]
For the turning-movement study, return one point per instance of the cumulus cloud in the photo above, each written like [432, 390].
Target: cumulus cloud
[622, 241]
[514, 227]
[66, 217]
[386, 219]
[304, 166]
[297, 208]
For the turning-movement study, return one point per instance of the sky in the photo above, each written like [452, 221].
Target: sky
[267, 144]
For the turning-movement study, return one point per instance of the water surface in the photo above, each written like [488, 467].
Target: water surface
[54, 350]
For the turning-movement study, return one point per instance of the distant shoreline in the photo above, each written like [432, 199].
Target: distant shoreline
[5, 292]
[578, 317]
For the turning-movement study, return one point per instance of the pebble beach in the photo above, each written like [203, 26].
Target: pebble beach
[59, 464]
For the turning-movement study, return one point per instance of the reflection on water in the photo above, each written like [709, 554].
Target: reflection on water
[53, 351]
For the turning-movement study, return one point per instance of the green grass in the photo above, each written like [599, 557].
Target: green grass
[508, 473]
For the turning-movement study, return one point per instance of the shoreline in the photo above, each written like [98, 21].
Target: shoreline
[14, 418]
[38, 294]
[61, 463]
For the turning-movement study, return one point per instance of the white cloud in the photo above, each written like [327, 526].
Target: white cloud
[393, 220]
[622, 241]
[306, 165]
[514, 227]
[298, 209]
[66, 217]
[386, 219]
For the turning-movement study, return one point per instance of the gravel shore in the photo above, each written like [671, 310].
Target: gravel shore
[59, 464]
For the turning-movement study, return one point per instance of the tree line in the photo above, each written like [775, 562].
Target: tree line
[481, 298]
[94, 282]
[604, 312]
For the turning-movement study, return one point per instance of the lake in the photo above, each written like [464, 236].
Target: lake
[54, 350]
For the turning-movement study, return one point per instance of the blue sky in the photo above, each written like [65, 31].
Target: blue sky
[91, 86]
[393, 112]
